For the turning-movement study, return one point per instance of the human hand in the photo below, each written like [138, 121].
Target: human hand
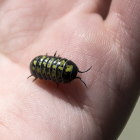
[90, 33]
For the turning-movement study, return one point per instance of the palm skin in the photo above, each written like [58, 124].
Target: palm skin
[86, 32]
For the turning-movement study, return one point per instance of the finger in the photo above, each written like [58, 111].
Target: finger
[103, 7]
[124, 20]
[97, 6]
[123, 25]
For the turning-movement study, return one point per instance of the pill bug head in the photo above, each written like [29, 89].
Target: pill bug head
[70, 72]
[74, 72]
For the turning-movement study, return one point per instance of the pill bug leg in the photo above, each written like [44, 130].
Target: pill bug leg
[34, 79]
[81, 81]
[55, 53]
[29, 76]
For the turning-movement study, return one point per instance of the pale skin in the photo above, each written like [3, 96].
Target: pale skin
[103, 34]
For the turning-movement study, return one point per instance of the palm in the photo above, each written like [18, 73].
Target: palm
[40, 111]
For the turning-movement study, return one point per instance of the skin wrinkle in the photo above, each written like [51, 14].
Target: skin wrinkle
[113, 36]
[17, 116]
[98, 72]
[88, 123]
[83, 116]
[128, 30]
[113, 63]
[124, 71]
[116, 59]
[15, 60]
[2, 124]
[129, 50]
[70, 38]
[109, 88]
[116, 39]
[80, 126]
[117, 67]
[123, 77]
[98, 126]
[58, 117]
[105, 55]
[70, 133]
[81, 119]
[121, 49]
[69, 122]
[12, 60]
[17, 49]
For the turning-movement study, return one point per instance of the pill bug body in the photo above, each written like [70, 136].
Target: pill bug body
[57, 69]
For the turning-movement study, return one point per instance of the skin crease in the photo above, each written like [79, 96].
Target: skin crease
[102, 34]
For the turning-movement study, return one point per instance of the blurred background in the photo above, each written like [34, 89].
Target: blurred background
[132, 128]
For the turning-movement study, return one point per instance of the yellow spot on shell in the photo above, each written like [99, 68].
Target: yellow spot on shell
[38, 70]
[44, 63]
[47, 72]
[53, 73]
[54, 66]
[50, 62]
[60, 68]
[43, 57]
[43, 71]
[34, 62]
[68, 68]
[59, 74]
[40, 63]
[62, 63]
[57, 60]
[49, 65]
[33, 68]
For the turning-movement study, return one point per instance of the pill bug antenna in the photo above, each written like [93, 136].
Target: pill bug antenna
[85, 70]
[81, 81]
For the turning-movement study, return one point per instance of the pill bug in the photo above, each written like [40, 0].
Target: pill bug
[54, 68]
